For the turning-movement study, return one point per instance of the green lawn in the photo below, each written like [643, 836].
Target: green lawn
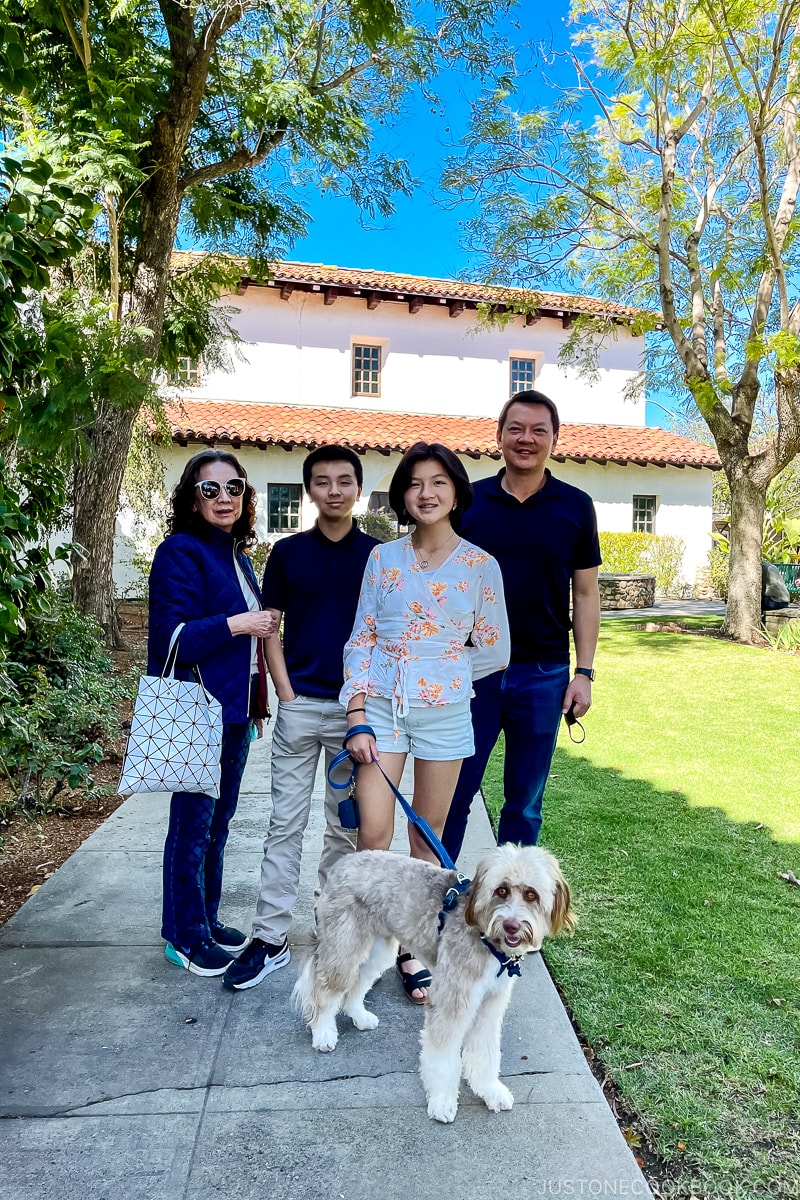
[673, 822]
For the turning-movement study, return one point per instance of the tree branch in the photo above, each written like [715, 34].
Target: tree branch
[346, 76]
[242, 159]
[323, 17]
[73, 33]
[599, 99]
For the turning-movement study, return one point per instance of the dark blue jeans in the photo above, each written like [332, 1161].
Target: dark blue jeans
[193, 853]
[524, 701]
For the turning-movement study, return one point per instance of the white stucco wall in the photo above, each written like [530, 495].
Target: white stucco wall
[683, 497]
[299, 351]
[683, 502]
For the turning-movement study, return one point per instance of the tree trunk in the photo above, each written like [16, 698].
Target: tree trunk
[743, 619]
[97, 488]
[98, 481]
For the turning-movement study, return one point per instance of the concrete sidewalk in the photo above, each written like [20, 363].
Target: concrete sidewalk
[666, 609]
[123, 1076]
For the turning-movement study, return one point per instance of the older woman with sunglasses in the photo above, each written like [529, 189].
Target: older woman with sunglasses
[202, 579]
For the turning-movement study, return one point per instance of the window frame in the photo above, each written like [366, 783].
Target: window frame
[193, 373]
[636, 516]
[530, 359]
[518, 355]
[375, 347]
[288, 528]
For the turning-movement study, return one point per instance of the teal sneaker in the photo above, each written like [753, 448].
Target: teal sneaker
[207, 958]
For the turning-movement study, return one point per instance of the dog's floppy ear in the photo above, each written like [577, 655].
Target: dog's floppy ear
[561, 914]
[469, 910]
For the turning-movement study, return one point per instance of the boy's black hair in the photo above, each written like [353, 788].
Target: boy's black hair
[332, 454]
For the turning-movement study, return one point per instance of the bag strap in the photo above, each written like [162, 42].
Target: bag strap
[172, 652]
[172, 658]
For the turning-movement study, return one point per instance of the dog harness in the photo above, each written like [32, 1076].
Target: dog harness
[508, 962]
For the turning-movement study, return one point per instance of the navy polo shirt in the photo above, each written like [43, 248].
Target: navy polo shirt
[538, 543]
[316, 584]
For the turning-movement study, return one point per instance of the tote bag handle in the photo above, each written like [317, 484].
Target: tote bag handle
[172, 653]
[172, 658]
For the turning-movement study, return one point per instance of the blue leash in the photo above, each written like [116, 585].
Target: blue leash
[462, 883]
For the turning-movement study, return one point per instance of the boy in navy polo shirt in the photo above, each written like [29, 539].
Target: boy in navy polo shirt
[313, 580]
[543, 532]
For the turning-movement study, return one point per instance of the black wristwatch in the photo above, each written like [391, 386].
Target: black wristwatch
[587, 671]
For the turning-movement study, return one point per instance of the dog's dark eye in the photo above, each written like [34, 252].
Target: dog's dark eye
[531, 896]
[502, 891]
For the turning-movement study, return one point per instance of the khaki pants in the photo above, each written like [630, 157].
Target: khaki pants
[303, 727]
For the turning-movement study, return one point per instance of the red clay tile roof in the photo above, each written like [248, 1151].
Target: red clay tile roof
[291, 425]
[392, 286]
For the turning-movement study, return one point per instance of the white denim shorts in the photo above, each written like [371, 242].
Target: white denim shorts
[435, 733]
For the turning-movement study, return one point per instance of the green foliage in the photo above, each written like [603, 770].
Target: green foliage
[787, 638]
[214, 122]
[718, 569]
[781, 536]
[42, 219]
[258, 556]
[31, 501]
[275, 98]
[59, 710]
[195, 323]
[782, 517]
[378, 525]
[143, 487]
[647, 554]
[665, 178]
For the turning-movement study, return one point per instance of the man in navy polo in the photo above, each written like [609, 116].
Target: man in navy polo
[543, 532]
[312, 580]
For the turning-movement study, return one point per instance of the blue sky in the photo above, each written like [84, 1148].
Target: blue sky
[424, 235]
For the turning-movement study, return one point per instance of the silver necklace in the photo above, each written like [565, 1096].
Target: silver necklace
[424, 562]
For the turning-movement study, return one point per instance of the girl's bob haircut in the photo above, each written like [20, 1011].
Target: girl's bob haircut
[452, 467]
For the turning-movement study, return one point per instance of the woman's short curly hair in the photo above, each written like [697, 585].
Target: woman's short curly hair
[182, 517]
[451, 465]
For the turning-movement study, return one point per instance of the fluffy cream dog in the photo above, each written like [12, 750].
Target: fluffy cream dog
[375, 899]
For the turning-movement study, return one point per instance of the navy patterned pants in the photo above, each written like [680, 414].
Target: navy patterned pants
[193, 853]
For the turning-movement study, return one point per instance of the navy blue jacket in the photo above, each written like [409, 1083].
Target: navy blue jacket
[193, 579]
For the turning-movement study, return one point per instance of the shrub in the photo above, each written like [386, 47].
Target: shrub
[718, 566]
[378, 525]
[645, 554]
[258, 556]
[61, 714]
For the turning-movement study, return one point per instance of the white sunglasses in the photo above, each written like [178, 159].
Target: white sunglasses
[210, 489]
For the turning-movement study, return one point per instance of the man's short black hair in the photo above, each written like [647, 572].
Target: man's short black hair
[530, 397]
[451, 465]
[332, 454]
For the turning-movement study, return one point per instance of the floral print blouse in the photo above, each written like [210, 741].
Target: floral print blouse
[409, 641]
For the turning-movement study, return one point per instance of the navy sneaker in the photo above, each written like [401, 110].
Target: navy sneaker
[257, 961]
[228, 938]
[206, 958]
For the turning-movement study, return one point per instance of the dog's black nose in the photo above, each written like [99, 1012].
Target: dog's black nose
[511, 926]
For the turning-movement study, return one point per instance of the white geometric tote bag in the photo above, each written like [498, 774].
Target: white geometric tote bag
[176, 735]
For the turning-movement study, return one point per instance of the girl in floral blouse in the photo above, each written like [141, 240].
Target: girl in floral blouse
[431, 618]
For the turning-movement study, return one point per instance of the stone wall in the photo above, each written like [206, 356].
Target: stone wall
[779, 618]
[627, 591]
